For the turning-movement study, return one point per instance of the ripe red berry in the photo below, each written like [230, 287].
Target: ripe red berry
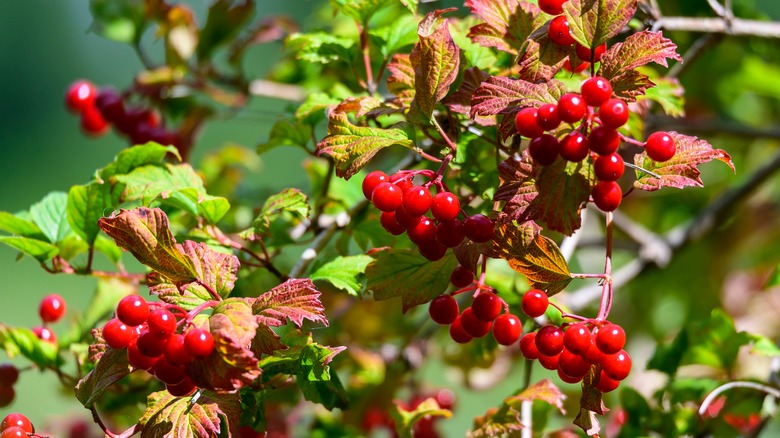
[13, 432]
[544, 149]
[461, 276]
[168, 373]
[387, 219]
[7, 395]
[580, 67]
[175, 352]
[93, 123]
[432, 250]
[51, 308]
[402, 181]
[547, 117]
[611, 338]
[603, 140]
[617, 366]
[417, 200]
[592, 354]
[372, 180]
[596, 90]
[525, 121]
[117, 334]
[507, 329]
[528, 346]
[443, 309]
[199, 342]
[606, 383]
[457, 333]
[534, 303]
[403, 219]
[132, 310]
[9, 374]
[479, 228]
[110, 105]
[424, 231]
[613, 113]
[585, 54]
[571, 107]
[573, 364]
[487, 306]
[609, 167]
[565, 377]
[549, 362]
[45, 334]
[574, 147]
[450, 233]
[549, 340]
[162, 323]
[607, 195]
[660, 146]
[552, 7]
[472, 325]
[80, 96]
[182, 389]
[577, 338]
[445, 206]
[150, 345]
[559, 31]
[138, 359]
[15, 419]
[387, 197]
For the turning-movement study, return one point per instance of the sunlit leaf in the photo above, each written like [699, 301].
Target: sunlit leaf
[211, 415]
[288, 200]
[14, 224]
[502, 95]
[19, 340]
[296, 299]
[401, 79]
[320, 47]
[507, 23]
[37, 249]
[405, 419]
[49, 215]
[344, 272]
[592, 22]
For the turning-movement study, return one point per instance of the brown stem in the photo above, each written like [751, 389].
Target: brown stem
[370, 84]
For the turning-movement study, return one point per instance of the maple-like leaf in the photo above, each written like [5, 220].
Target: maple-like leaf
[209, 416]
[111, 368]
[592, 22]
[507, 23]
[531, 254]
[401, 79]
[351, 146]
[407, 274]
[296, 299]
[460, 100]
[435, 59]
[682, 170]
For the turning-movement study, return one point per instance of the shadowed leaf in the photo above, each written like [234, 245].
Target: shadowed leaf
[111, 368]
[507, 23]
[211, 415]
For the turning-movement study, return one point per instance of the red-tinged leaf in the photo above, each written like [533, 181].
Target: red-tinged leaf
[145, 233]
[533, 255]
[405, 419]
[588, 422]
[266, 341]
[682, 170]
[541, 58]
[496, 423]
[501, 95]
[407, 274]
[468, 253]
[592, 22]
[435, 59]
[231, 365]
[630, 85]
[296, 299]
[591, 403]
[111, 368]
[360, 106]
[460, 100]
[507, 23]
[401, 79]
[209, 416]
[351, 146]
[544, 390]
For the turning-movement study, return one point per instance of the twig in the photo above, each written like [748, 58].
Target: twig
[720, 25]
[774, 392]
[697, 48]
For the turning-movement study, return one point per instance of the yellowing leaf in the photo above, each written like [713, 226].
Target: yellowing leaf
[296, 299]
[401, 79]
[209, 416]
[592, 22]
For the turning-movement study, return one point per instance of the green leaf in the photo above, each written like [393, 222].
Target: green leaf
[592, 22]
[344, 272]
[714, 342]
[49, 215]
[312, 110]
[118, 20]
[23, 341]
[763, 346]
[351, 146]
[136, 156]
[667, 358]
[360, 10]
[291, 201]
[286, 133]
[226, 18]
[37, 249]
[669, 93]
[507, 23]
[108, 248]
[320, 47]
[211, 415]
[296, 299]
[407, 274]
[405, 419]
[191, 199]
[111, 368]
[401, 33]
[14, 224]
[87, 204]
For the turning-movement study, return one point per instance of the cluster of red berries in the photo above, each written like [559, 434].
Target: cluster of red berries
[404, 206]
[573, 349]
[99, 108]
[601, 142]
[558, 32]
[149, 334]
[16, 425]
[51, 309]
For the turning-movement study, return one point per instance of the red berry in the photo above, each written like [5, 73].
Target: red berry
[479, 228]
[549, 340]
[534, 303]
[93, 123]
[472, 325]
[372, 180]
[573, 364]
[15, 419]
[596, 91]
[7, 395]
[660, 146]
[606, 383]
[150, 345]
[51, 308]
[617, 366]
[402, 181]
[168, 373]
[549, 362]
[528, 346]
[574, 147]
[445, 206]
[9, 374]
[432, 250]
[443, 309]
[547, 117]
[525, 121]
[571, 107]
[607, 195]
[387, 219]
[552, 7]
[566, 378]
[175, 352]
[580, 67]
[403, 219]
[611, 338]
[417, 200]
[507, 329]
[608, 167]
[199, 342]
[457, 333]
[577, 338]
[45, 334]
[461, 276]
[487, 306]
[14, 432]
[424, 231]
[450, 233]
[592, 354]
[544, 149]
[162, 323]
[138, 359]
[586, 54]
[387, 197]
[132, 310]
[613, 113]
[80, 96]
[559, 31]
[603, 140]
[184, 388]
[117, 334]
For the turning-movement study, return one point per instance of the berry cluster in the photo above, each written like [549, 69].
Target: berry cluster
[149, 333]
[16, 425]
[404, 206]
[599, 116]
[99, 108]
[9, 374]
[573, 349]
[51, 309]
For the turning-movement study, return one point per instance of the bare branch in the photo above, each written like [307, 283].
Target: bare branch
[720, 25]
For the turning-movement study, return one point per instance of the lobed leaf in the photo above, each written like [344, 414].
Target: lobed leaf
[401, 79]
[210, 415]
[591, 403]
[507, 23]
[111, 368]
[593, 22]
[460, 100]
[360, 10]
[344, 272]
[296, 299]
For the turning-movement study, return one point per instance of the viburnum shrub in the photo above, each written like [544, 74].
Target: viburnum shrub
[447, 154]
